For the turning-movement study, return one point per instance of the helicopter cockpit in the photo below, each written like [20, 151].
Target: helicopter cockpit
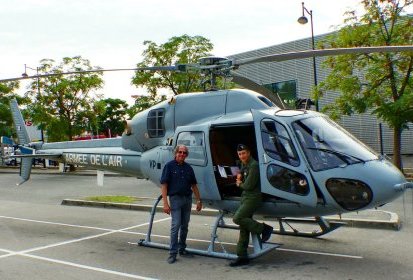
[326, 145]
[304, 158]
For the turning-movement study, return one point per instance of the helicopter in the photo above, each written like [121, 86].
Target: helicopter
[309, 165]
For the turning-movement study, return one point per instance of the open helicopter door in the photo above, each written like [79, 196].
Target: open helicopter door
[282, 172]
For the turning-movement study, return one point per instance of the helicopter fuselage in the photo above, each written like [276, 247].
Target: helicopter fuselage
[309, 165]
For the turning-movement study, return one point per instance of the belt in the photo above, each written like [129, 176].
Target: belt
[178, 194]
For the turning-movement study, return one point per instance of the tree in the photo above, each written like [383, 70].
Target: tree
[143, 102]
[6, 94]
[111, 114]
[183, 49]
[62, 104]
[380, 83]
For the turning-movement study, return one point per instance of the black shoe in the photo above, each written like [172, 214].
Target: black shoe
[239, 262]
[171, 259]
[185, 253]
[266, 233]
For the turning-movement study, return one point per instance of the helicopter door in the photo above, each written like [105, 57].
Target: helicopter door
[281, 171]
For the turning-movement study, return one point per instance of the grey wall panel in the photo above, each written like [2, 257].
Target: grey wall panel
[364, 126]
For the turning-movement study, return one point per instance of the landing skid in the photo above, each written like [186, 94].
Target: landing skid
[285, 227]
[259, 248]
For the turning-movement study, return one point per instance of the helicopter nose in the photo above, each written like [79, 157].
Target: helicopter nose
[387, 182]
[403, 186]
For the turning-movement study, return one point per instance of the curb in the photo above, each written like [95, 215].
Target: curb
[127, 206]
[393, 223]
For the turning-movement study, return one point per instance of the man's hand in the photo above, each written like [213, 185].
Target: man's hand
[166, 208]
[239, 180]
[198, 205]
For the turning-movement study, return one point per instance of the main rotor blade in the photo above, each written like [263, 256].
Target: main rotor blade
[324, 52]
[249, 84]
[150, 68]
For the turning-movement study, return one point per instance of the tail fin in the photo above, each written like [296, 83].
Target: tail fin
[18, 121]
[24, 139]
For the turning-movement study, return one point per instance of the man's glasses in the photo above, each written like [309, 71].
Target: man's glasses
[183, 152]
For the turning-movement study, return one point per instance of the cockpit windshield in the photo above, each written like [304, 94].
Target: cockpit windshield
[327, 145]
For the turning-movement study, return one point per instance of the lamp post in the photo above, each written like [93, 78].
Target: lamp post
[38, 90]
[303, 20]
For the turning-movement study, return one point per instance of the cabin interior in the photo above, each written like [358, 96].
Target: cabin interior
[223, 142]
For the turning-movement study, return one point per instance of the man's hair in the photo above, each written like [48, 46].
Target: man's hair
[180, 146]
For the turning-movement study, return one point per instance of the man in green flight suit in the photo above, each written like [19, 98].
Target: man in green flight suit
[249, 181]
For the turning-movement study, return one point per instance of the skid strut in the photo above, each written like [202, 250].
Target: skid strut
[324, 227]
[259, 248]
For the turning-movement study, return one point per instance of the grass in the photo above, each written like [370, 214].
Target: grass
[112, 198]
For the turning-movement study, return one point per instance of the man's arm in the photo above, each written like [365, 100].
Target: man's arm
[197, 197]
[252, 179]
[164, 191]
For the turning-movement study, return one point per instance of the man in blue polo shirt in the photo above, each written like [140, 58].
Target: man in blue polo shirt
[178, 182]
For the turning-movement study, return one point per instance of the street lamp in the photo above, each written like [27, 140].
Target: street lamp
[38, 90]
[37, 74]
[303, 20]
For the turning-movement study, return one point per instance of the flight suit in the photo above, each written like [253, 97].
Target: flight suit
[251, 200]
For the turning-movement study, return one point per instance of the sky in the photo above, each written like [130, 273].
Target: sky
[111, 33]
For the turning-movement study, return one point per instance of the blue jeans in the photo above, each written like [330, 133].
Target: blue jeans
[180, 213]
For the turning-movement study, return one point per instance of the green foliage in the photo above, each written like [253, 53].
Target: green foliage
[6, 94]
[142, 103]
[183, 49]
[380, 83]
[110, 116]
[62, 104]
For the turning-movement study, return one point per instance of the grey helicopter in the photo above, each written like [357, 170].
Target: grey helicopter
[310, 166]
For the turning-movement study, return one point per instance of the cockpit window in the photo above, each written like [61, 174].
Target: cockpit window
[277, 143]
[156, 123]
[327, 145]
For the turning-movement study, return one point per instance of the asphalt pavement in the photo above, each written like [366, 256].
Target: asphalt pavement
[368, 218]
[42, 239]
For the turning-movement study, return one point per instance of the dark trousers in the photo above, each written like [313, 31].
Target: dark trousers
[180, 213]
[243, 218]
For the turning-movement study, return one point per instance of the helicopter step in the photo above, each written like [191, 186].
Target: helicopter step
[259, 248]
[324, 227]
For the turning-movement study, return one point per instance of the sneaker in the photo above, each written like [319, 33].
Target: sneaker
[266, 233]
[185, 253]
[171, 259]
[239, 262]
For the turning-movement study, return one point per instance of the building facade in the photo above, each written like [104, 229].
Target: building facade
[294, 79]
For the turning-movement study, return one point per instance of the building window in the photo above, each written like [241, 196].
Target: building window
[156, 123]
[287, 91]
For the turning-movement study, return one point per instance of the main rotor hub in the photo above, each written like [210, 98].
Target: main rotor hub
[211, 60]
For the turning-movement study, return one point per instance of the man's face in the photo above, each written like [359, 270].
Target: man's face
[181, 155]
[244, 156]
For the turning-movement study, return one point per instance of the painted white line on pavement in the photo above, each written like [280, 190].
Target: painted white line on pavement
[320, 253]
[88, 267]
[53, 223]
[25, 252]
[114, 272]
[79, 239]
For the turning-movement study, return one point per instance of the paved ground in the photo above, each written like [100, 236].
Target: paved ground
[42, 239]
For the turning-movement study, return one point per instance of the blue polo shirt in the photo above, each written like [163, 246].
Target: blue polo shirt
[178, 177]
